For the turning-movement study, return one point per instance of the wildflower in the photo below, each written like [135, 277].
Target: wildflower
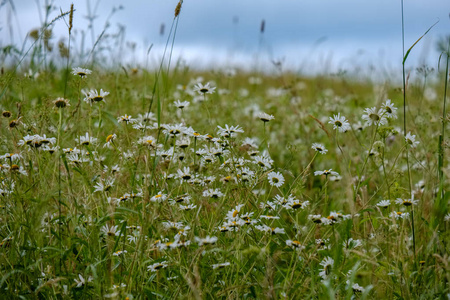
[6, 114]
[185, 174]
[316, 218]
[229, 131]
[104, 186]
[319, 148]
[110, 230]
[265, 117]
[372, 117]
[174, 130]
[96, 96]
[275, 179]
[399, 215]
[212, 193]
[160, 197]
[326, 173]
[81, 72]
[204, 89]
[340, 123]
[86, 140]
[206, 241]
[295, 245]
[120, 252]
[357, 289]
[125, 119]
[183, 142]
[270, 230]
[148, 141]
[407, 202]
[234, 213]
[351, 243]
[327, 263]
[411, 140]
[390, 110]
[263, 161]
[82, 282]
[157, 266]
[447, 217]
[295, 204]
[110, 140]
[11, 156]
[187, 207]
[180, 104]
[322, 244]
[384, 203]
[61, 103]
[222, 265]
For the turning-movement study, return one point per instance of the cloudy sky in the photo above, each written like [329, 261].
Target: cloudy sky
[304, 34]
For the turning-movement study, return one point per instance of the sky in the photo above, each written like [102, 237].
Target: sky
[305, 35]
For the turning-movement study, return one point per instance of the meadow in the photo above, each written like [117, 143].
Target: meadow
[174, 183]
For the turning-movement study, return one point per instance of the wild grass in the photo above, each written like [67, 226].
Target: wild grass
[260, 186]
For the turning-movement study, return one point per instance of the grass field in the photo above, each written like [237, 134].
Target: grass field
[222, 184]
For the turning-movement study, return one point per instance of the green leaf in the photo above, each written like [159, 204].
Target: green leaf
[409, 50]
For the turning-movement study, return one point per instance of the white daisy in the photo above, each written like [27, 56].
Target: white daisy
[275, 179]
[340, 123]
[411, 140]
[203, 89]
[81, 72]
[319, 148]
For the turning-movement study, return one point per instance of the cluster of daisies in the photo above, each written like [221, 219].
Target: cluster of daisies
[186, 168]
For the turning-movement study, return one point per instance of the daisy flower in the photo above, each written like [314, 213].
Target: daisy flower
[384, 203]
[319, 148]
[110, 230]
[447, 217]
[96, 96]
[326, 173]
[81, 72]
[357, 289]
[187, 207]
[372, 117]
[229, 131]
[407, 202]
[270, 230]
[125, 119]
[81, 281]
[399, 215]
[185, 174]
[86, 140]
[390, 109]
[180, 104]
[109, 140]
[411, 140]
[204, 89]
[340, 123]
[295, 245]
[160, 197]
[212, 193]
[104, 185]
[265, 117]
[120, 252]
[157, 266]
[275, 179]
[263, 161]
[206, 241]
[327, 263]
[61, 103]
